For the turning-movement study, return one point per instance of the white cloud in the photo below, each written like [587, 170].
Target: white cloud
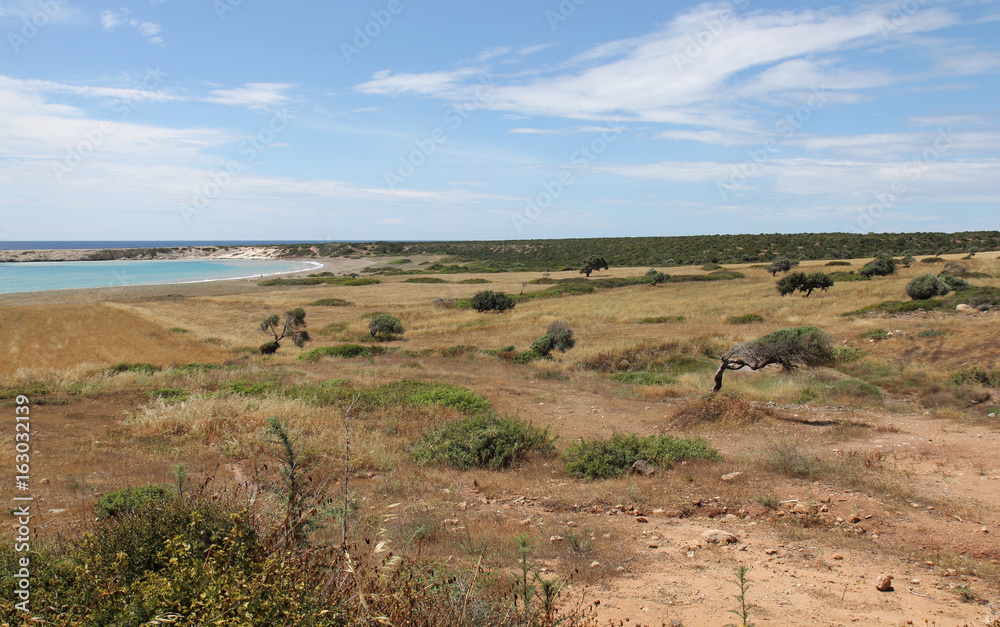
[111, 20]
[252, 95]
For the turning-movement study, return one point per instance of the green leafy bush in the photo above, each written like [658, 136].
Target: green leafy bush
[839, 263]
[169, 394]
[484, 441]
[347, 351]
[643, 377]
[331, 302]
[932, 260]
[749, 318]
[926, 286]
[425, 279]
[847, 354]
[608, 458]
[876, 334]
[129, 500]
[474, 281]
[492, 301]
[243, 387]
[661, 319]
[954, 283]
[880, 266]
[976, 375]
[385, 325]
[141, 368]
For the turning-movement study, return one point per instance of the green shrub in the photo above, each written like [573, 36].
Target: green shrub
[929, 333]
[661, 319]
[492, 301]
[128, 500]
[346, 351]
[749, 318]
[169, 394]
[485, 441]
[839, 263]
[926, 286]
[605, 459]
[331, 302]
[976, 375]
[876, 334]
[643, 377]
[179, 330]
[847, 354]
[202, 367]
[880, 266]
[526, 357]
[932, 260]
[243, 387]
[846, 277]
[425, 279]
[474, 281]
[544, 345]
[385, 325]
[955, 284]
[711, 266]
[423, 393]
[141, 368]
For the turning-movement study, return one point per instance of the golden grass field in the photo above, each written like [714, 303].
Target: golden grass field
[914, 461]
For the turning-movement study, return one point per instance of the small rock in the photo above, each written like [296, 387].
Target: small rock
[526, 521]
[855, 519]
[595, 564]
[800, 508]
[992, 414]
[826, 499]
[731, 476]
[883, 583]
[985, 529]
[771, 551]
[824, 508]
[47, 481]
[963, 307]
[620, 569]
[676, 622]
[838, 556]
[644, 468]
[717, 536]
[641, 519]
[556, 539]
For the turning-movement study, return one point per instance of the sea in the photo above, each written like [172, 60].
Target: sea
[59, 275]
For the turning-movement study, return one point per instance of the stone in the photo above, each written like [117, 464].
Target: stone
[718, 536]
[556, 539]
[964, 307]
[595, 564]
[771, 551]
[855, 519]
[838, 556]
[641, 519]
[676, 622]
[644, 468]
[731, 476]
[883, 583]
[800, 508]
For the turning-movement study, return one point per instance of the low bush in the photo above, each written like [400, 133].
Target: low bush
[243, 387]
[876, 334]
[609, 458]
[141, 368]
[643, 377]
[838, 263]
[662, 320]
[129, 500]
[473, 281]
[926, 286]
[846, 277]
[932, 260]
[385, 325]
[976, 375]
[347, 351]
[169, 394]
[485, 441]
[749, 318]
[785, 458]
[492, 301]
[202, 367]
[425, 279]
[729, 411]
[331, 302]
[847, 354]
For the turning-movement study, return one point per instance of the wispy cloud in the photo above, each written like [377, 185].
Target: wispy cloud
[111, 20]
[252, 95]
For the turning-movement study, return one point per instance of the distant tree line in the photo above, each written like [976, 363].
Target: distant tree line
[664, 252]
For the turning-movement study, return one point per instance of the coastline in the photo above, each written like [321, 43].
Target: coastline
[248, 253]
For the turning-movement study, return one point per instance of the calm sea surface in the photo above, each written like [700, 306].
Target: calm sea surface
[59, 275]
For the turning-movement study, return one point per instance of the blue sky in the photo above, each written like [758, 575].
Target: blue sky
[410, 119]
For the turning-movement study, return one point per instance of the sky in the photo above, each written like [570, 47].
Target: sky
[445, 120]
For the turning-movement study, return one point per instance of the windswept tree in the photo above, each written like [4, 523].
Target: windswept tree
[488, 300]
[559, 336]
[926, 286]
[293, 326]
[788, 348]
[593, 263]
[779, 264]
[656, 277]
[804, 283]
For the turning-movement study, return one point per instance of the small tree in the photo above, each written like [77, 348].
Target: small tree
[294, 327]
[907, 261]
[386, 325]
[804, 283]
[489, 300]
[880, 266]
[656, 277]
[789, 348]
[559, 336]
[926, 286]
[779, 264]
[592, 264]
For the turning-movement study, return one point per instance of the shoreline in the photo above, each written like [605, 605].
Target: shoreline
[247, 253]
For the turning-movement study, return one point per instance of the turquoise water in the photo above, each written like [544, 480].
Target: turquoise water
[60, 275]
